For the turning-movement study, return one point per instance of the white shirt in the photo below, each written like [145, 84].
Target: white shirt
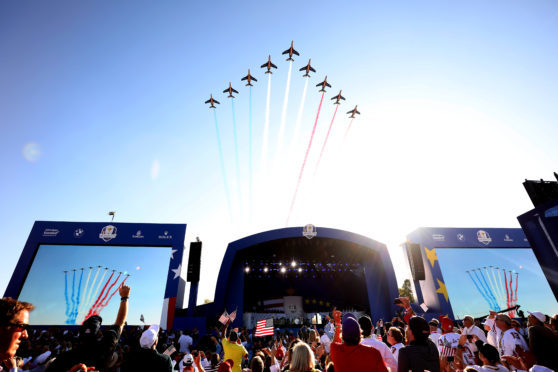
[326, 341]
[387, 355]
[185, 342]
[509, 341]
[475, 331]
[447, 344]
[498, 368]
[395, 350]
[493, 334]
[434, 336]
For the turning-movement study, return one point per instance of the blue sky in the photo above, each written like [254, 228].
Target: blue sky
[533, 293]
[45, 283]
[457, 101]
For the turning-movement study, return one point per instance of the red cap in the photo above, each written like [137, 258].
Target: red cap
[446, 323]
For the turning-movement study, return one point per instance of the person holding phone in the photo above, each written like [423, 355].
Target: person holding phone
[470, 329]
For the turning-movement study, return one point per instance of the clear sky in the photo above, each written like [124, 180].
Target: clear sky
[101, 108]
[53, 297]
[533, 291]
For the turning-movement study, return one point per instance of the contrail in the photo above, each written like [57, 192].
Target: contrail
[250, 150]
[492, 286]
[100, 295]
[236, 157]
[325, 141]
[305, 159]
[73, 298]
[113, 293]
[66, 293]
[349, 127]
[508, 302]
[94, 293]
[283, 116]
[87, 288]
[478, 288]
[222, 159]
[497, 308]
[266, 125]
[299, 117]
[73, 315]
[100, 303]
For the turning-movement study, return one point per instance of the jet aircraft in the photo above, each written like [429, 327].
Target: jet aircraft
[211, 101]
[338, 97]
[323, 84]
[307, 69]
[249, 78]
[269, 65]
[230, 90]
[353, 112]
[290, 52]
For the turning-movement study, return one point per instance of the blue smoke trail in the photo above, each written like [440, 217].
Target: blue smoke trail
[236, 156]
[485, 291]
[478, 289]
[66, 293]
[222, 159]
[73, 296]
[489, 291]
[250, 150]
[76, 307]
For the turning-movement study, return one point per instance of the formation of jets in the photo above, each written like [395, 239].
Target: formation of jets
[268, 66]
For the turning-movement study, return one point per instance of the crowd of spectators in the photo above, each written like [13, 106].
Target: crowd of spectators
[346, 344]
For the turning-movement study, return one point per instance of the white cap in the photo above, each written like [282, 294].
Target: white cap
[188, 359]
[148, 338]
[540, 316]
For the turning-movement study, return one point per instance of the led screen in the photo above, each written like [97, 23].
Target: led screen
[67, 283]
[479, 279]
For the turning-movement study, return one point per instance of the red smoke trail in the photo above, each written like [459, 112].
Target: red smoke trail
[327, 136]
[516, 285]
[110, 298]
[98, 298]
[305, 158]
[507, 293]
[107, 292]
[349, 127]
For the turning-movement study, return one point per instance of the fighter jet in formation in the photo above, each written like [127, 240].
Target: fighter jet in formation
[338, 97]
[211, 101]
[353, 112]
[323, 84]
[249, 78]
[307, 69]
[269, 65]
[290, 52]
[230, 90]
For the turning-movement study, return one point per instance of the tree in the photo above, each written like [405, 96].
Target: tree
[407, 290]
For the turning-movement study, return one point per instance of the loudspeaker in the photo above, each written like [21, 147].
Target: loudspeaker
[415, 261]
[194, 262]
[541, 192]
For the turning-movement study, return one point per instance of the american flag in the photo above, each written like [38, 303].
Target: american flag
[224, 318]
[448, 343]
[232, 316]
[264, 328]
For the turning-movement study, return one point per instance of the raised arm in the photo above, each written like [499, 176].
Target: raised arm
[124, 291]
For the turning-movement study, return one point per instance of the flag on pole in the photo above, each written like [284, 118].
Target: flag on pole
[224, 318]
[232, 316]
[264, 328]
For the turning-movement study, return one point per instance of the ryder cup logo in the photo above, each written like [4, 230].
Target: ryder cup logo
[108, 233]
[309, 231]
[483, 237]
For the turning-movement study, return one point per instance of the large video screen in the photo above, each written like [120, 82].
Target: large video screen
[68, 283]
[480, 279]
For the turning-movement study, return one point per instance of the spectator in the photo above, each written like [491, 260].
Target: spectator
[369, 340]
[326, 341]
[434, 330]
[542, 341]
[447, 343]
[510, 340]
[185, 342]
[233, 349]
[351, 355]
[470, 329]
[91, 350]
[302, 359]
[490, 358]
[395, 339]
[493, 332]
[14, 320]
[420, 354]
[147, 358]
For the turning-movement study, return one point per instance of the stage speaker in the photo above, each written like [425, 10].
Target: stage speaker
[194, 262]
[415, 261]
[541, 192]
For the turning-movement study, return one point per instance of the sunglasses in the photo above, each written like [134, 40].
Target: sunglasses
[18, 327]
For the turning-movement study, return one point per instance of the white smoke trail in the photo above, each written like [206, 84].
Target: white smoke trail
[88, 294]
[299, 118]
[266, 126]
[283, 116]
[96, 291]
[491, 284]
[85, 288]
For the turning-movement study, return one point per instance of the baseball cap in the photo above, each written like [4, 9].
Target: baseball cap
[504, 318]
[350, 328]
[537, 314]
[434, 322]
[149, 336]
[348, 315]
[90, 327]
[469, 317]
[188, 359]
[447, 323]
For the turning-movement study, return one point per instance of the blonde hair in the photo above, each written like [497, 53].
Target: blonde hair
[313, 336]
[302, 358]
